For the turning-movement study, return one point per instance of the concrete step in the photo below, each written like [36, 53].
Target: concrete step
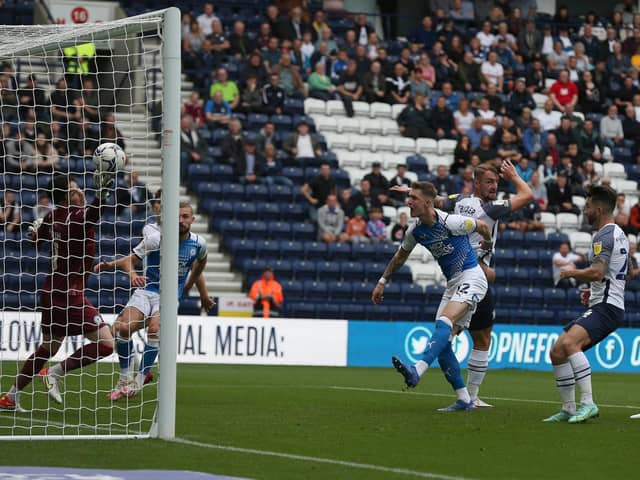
[216, 288]
[217, 266]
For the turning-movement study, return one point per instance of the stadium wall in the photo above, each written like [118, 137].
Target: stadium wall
[234, 340]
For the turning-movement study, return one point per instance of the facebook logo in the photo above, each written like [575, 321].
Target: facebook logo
[610, 351]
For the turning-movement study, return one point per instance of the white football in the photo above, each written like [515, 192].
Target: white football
[109, 157]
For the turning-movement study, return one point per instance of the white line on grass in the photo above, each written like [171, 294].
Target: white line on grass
[428, 394]
[330, 461]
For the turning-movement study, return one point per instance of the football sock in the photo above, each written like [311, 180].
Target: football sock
[124, 347]
[84, 356]
[476, 370]
[438, 341]
[149, 356]
[451, 368]
[582, 374]
[566, 384]
[31, 366]
[13, 394]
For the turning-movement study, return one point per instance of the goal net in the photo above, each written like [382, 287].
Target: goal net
[64, 90]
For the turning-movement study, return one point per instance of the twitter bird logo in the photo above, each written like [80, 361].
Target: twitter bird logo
[416, 342]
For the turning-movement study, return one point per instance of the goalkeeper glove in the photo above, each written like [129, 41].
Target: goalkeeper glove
[34, 227]
[104, 182]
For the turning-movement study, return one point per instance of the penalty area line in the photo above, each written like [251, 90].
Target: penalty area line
[310, 459]
[448, 395]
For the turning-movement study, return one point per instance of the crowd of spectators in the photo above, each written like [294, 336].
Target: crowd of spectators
[475, 82]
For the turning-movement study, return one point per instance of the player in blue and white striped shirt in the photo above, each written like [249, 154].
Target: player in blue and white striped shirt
[446, 237]
[143, 309]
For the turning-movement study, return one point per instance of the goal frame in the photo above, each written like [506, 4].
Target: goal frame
[163, 425]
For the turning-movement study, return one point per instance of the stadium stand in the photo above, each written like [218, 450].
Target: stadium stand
[266, 220]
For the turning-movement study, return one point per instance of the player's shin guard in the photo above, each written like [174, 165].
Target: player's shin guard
[124, 347]
[84, 356]
[566, 384]
[476, 370]
[149, 356]
[582, 373]
[451, 368]
[438, 341]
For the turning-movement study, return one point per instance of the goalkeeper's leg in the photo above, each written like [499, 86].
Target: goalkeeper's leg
[37, 360]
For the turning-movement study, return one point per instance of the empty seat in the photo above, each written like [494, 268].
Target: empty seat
[377, 312]
[567, 222]
[380, 110]
[348, 125]
[326, 124]
[327, 311]
[580, 241]
[554, 298]
[349, 159]
[446, 146]
[404, 145]
[614, 170]
[426, 146]
[382, 144]
[315, 251]
[303, 231]
[337, 140]
[363, 252]
[340, 291]
[279, 230]
[255, 229]
[361, 109]
[426, 273]
[291, 249]
[327, 270]
[301, 310]
[370, 126]
[304, 269]
[292, 290]
[233, 191]
[352, 271]
[339, 251]
[315, 290]
[267, 249]
[389, 127]
[548, 219]
[412, 292]
[313, 105]
[508, 296]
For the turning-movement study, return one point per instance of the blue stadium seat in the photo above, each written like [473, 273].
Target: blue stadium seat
[253, 268]
[403, 313]
[384, 251]
[301, 310]
[222, 173]
[362, 291]
[535, 240]
[328, 311]
[219, 210]
[231, 228]
[377, 312]
[545, 257]
[544, 317]
[241, 249]
[527, 258]
[508, 296]
[629, 299]
[293, 106]
[417, 164]
[340, 291]
[352, 271]
[521, 315]
[315, 250]
[303, 231]
[270, 211]
[189, 306]
[284, 122]
[339, 251]
[632, 319]
[254, 228]
[374, 270]
[554, 239]
[292, 249]
[327, 270]
[256, 121]
[532, 297]
[555, 298]
[412, 293]
[393, 292]
[292, 212]
[279, 230]
[256, 192]
[510, 239]
[505, 256]
[519, 276]
[303, 269]
[206, 190]
[268, 249]
[199, 172]
[310, 173]
[433, 293]
[245, 211]
[295, 174]
[292, 290]
[315, 290]
[351, 311]
[342, 178]
[233, 191]
[363, 252]
[282, 269]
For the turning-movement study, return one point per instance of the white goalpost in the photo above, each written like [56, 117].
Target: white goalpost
[64, 90]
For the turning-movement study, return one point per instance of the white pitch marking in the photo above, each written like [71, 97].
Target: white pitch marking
[330, 461]
[448, 395]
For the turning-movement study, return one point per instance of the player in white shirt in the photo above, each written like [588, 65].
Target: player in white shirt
[484, 206]
[605, 313]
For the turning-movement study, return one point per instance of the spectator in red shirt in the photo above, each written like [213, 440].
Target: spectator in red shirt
[195, 110]
[563, 91]
[634, 219]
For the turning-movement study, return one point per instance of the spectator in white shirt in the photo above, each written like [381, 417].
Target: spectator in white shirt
[493, 71]
[487, 116]
[564, 259]
[487, 39]
[206, 19]
[547, 40]
[463, 116]
[611, 128]
[549, 119]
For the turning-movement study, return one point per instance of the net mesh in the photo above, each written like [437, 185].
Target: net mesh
[63, 91]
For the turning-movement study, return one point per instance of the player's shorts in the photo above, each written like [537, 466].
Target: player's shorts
[485, 315]
[599, 321]
[70, 315]
[470, 287]
[146, 302]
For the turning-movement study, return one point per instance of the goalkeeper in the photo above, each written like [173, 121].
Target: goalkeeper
[143, 309]
[66, 311]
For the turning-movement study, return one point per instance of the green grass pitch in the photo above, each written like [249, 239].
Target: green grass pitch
[361, 416]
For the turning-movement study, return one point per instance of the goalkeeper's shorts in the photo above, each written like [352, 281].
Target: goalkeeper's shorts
[68, 315]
